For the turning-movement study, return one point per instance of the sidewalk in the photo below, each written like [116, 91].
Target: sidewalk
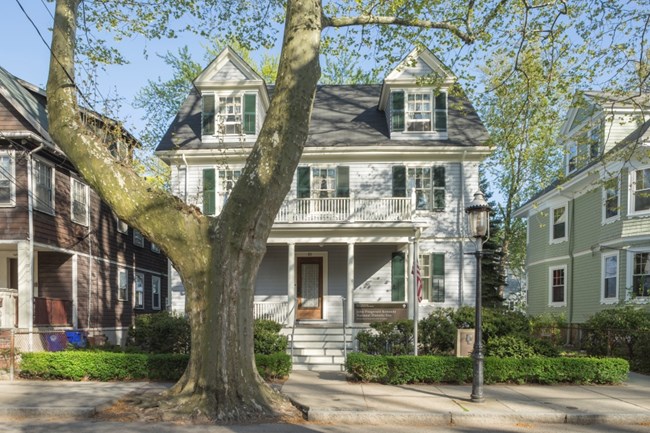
[329, 397]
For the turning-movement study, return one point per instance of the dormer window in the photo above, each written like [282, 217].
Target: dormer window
[418, 110]
[584, 149]
[229, 114]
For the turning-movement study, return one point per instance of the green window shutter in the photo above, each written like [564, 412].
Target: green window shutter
[439, 185]
[343, 181]
[438, 277]
[207, 116]
[303, 182]
[398, 282]
[441, 112]
[397, 111]
[399, 181]
[209, 185]
[249, 114]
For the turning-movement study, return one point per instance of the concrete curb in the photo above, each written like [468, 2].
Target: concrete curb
[83, 412]
[452, 418]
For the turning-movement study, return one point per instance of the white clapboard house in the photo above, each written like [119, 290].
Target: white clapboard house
[387, 170]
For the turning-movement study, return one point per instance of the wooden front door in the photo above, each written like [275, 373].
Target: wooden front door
[310, 288]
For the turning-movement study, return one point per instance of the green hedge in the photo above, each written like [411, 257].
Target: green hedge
[447, 369]
[105, 366]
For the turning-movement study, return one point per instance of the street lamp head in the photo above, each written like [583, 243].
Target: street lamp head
[478, 212]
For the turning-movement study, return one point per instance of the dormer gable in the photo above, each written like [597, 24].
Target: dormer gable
[414, 97]
[234, 99]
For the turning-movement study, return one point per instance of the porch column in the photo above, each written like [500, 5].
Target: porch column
[350, 292]
[291, 285]
[25, 286]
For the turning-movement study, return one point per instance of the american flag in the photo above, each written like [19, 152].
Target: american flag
[418, 279]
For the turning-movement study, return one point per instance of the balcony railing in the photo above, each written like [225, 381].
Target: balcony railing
[352, 209]
[52, 312]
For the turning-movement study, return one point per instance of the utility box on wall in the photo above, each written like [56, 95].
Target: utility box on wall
[464, 342]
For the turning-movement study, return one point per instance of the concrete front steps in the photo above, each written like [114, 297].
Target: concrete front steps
[319, 347]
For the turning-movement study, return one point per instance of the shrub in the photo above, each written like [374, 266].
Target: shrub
[434, 369]
[509, 346]
[549, 326]
[106, 366]
[160, 333]
[366, 368]
[267, 337]
[273, 366]
[437, 333]
[387, 338]
[616, 331]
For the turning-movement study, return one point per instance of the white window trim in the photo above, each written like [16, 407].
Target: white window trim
[551, 224]
[631, 188]
[155, 278]
[616, 217]
[135, 291]
[550, 286]
[420, 135]
[604, 257]
[233, 94]
[86, 193]
[155, 248]
[629, 279]
[35, 202]
[122, 227]
[124, 298]
[138, 238]
[12, 177]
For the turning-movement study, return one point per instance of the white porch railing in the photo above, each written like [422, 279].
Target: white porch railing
[276, 311]
[350, 209]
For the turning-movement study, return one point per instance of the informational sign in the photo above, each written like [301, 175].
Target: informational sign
[464, 342]
[380, 312]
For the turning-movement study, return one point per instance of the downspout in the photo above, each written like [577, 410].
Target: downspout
[90, 274]
[461, 230]
[30, 216]
[571, 210]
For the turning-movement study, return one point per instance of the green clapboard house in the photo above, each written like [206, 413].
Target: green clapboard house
[588, 243]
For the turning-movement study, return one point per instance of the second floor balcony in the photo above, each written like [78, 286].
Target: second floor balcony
[347, 210]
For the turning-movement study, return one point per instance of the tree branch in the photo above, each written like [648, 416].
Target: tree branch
[361, 20]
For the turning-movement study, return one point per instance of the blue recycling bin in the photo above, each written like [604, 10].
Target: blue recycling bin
[76, 338]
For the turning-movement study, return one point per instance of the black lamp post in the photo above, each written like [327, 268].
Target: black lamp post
[478, 212]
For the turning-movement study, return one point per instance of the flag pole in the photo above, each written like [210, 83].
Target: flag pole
[415, 271]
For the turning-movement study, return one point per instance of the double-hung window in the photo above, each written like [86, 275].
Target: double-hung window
[641, 190]
[558, 224]
[557, 277]
[7, 179]
[43, 180]
[611, 199]
[138, 239]
[226, 182]
[610, 277]
[641, 275]
[79, 201]
[122, 285]
[323, 182]
[418, 110]
[432, 271]
[233, 114]
[428, 183]
[139, 290]
[155, 292]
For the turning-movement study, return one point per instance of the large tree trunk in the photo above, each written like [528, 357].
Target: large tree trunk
[217, 258]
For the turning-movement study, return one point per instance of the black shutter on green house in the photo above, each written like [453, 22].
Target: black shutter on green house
[207, 115]
[399, 181]
[397, 111]
[209, 190]
[303, 182]
[343, 181]
[397, 288]
[249, 113]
